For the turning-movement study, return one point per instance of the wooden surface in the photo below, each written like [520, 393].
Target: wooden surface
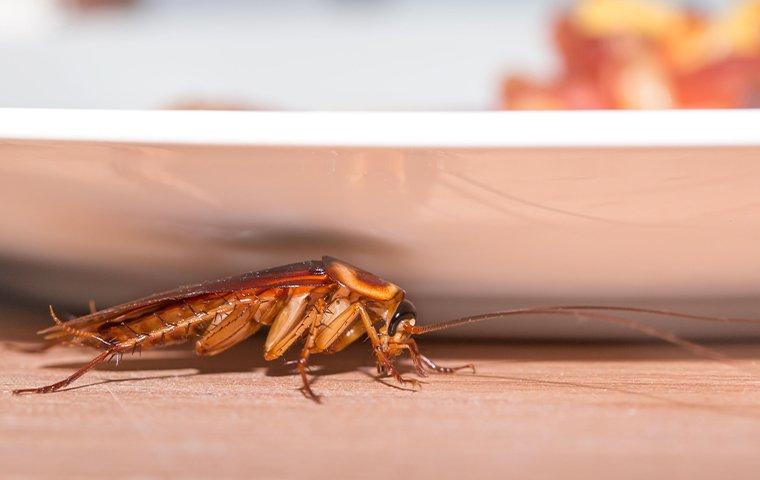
[532, 411]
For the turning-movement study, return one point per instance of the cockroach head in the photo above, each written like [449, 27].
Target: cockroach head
[405, 312]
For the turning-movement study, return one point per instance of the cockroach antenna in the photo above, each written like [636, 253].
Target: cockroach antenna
[592, 312]
[572, 310]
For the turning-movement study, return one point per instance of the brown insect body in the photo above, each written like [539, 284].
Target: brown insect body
[328, 303]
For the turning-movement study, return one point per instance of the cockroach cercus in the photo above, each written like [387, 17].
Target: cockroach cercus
[327, 304]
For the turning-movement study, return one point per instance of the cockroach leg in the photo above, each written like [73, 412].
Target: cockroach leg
[164, 322]
[426, 363]
[130, 329]
[93, 308]
[303, 361]
[387, 364]
[227, 329]
[303, 367]
[68, 380]
[413, 355]
[431, 365]
[417, 362]
[196, 313]
[382, 358]
[294, 363]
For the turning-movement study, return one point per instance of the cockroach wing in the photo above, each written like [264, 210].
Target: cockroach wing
[308, 273]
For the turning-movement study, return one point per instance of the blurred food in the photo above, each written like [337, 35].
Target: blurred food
[637, 54]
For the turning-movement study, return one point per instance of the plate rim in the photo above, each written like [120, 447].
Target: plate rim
[505, 129]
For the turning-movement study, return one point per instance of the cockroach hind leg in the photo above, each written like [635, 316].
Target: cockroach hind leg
[103, 356]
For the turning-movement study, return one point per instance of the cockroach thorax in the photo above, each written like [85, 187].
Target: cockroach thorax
[360, 281]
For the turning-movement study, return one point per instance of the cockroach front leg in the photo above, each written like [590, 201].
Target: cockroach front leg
[380, 352]
[421, 362]
[388, 367]
[413, 355]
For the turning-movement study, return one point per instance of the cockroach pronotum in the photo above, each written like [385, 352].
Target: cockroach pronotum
[328, 303]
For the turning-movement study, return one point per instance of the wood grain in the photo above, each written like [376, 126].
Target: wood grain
[532, 411]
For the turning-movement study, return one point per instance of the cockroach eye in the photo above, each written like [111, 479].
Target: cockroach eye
[404, 311]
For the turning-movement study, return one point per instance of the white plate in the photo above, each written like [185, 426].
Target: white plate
[466, 211]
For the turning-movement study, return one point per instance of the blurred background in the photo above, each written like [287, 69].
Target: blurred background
[378, 54]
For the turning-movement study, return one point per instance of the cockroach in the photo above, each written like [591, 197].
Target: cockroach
[327, 304]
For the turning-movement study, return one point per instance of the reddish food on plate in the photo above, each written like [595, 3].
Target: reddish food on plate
[638, 54]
